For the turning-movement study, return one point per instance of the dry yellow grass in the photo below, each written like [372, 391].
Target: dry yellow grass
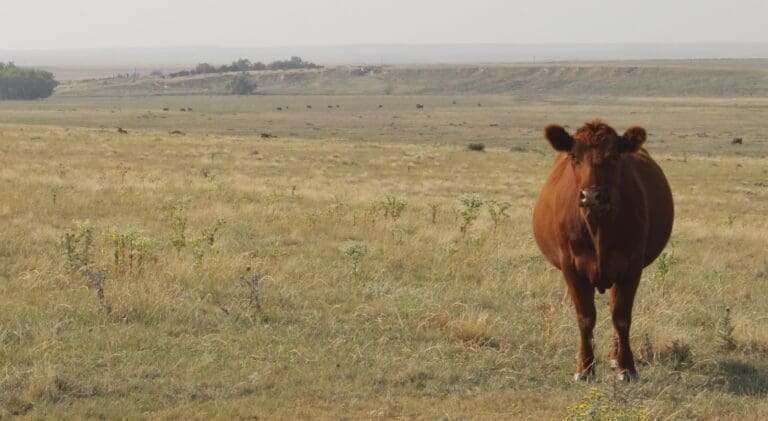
[370, 301]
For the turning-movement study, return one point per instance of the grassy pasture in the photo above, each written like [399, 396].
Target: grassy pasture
[393, 280]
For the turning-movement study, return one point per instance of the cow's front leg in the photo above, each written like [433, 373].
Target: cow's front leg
[583, 295]
[622, 298]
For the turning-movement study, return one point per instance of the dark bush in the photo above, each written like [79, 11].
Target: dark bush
[294, 63]
[180, 73]
[241, 85]
[204, 68]
[22, 83]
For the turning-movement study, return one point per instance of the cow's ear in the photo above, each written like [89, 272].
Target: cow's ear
[558, 138]
[632, 140]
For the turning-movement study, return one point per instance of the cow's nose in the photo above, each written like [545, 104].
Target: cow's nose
[601, 197]
[582, 198]
[593, 197]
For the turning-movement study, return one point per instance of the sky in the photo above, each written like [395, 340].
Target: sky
[58, 24]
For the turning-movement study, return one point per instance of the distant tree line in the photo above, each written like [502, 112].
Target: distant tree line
[24, 83]
[245, 65]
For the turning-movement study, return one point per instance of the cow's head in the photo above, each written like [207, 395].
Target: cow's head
[596, 152]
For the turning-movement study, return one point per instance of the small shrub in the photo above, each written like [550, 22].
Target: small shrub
[596, 406]
[472, 203]
[724, 332]
[198, 250]
[177, 213]
[205, 242]
[252, 282]
[130, 251]
[77, 245]
[372, 210]
[434, 207]
[355, 251]
[209, 234]
[678, 354]
[393, 207]
[96, 280]
[476, 147]
[54, 189]
[498, 212]
[646, 352]
[663, 264]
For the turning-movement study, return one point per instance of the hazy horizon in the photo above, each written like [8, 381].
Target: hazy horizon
[384, 54]
[144, 32]
[78, 24]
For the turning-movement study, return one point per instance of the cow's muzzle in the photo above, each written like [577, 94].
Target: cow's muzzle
[594, 198]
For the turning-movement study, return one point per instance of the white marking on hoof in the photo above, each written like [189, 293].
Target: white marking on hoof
[614, 363]
[583, 377]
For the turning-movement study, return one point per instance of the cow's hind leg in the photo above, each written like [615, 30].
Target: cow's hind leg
[583, 295]
[621, 300]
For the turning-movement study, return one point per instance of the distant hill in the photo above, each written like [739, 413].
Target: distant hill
[383, 54]
[633, 79]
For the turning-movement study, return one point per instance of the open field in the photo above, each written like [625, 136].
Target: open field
[640, 79]
[380, 291]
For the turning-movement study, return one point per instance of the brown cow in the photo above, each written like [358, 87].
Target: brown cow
[736, 141]
[122, 130]
[604, 214]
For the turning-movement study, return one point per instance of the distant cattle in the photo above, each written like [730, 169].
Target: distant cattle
[122, 130]
[176, 132]
[736, 141]
[267, 136]
[381, 106]
[182, 109]
[330, 106]
[189, 108]
[279, 108]
[166, 109]
[604, 213]
[419, 106]
[479, 104]
[309, 107]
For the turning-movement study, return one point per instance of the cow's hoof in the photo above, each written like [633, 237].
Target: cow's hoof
[628, 376]
[614, 363]
[584, 377]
